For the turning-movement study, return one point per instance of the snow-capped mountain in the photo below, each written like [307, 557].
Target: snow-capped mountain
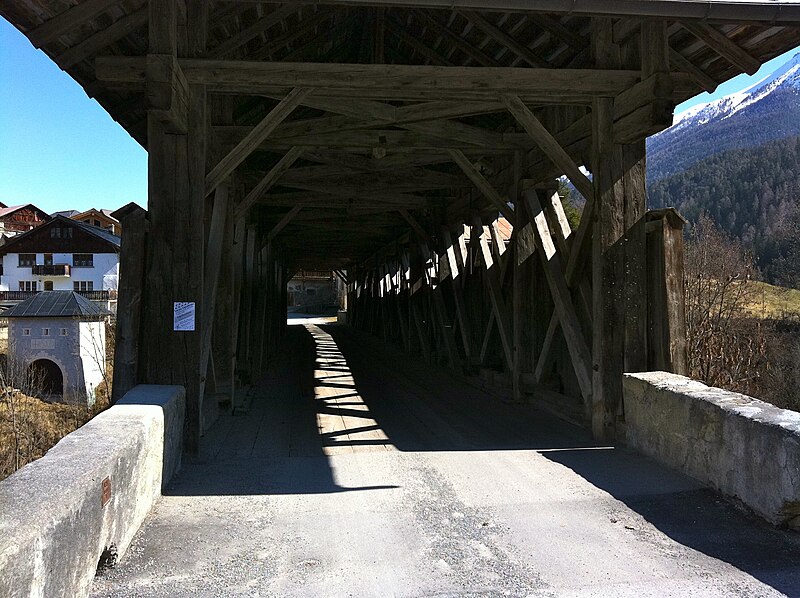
[767, 110]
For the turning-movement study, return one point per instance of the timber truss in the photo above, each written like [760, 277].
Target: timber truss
[412, 147]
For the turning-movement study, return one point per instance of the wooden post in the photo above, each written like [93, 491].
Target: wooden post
[176, 193]
[129, 298]
[665, 292]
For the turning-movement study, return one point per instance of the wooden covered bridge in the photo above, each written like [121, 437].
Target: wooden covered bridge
[415, 146]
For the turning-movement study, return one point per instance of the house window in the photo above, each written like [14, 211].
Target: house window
[83, 259]
[26, 332]
[45, 332]
[48, 285]
[48, 259]
[82, 285]
[27, 285]
[26, 260]
[60, 233]
[63, 332]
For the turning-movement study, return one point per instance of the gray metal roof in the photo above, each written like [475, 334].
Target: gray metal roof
[97, 231]
[56, 304]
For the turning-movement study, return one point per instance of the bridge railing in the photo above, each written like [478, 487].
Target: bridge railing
[110, 471]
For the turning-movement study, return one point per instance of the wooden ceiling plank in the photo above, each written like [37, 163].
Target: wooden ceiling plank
[558, 31]
[545, 140]
[504, 39]
[68, 20]
[724, 46]
[257, 136]
[455, 39]
[293, 33]
[102, 39]
[253, 31]
[417, 45]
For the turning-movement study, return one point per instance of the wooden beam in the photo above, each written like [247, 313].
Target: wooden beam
[102, 39]
[483, 185]
[551, 262]
[456, 262]
[493, 285]
[213, 260]
[259, 133]
[723, 46]
[66, 21]
[167, 92]
[705, 80]
[412, 222]
[287, 218]
[504, 39]
[549, 145]
[268, 181]
[249, 76]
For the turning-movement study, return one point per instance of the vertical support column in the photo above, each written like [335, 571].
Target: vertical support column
[129, 301]
[619, 243]
[608, 274]
[665, 293]
[176, 194]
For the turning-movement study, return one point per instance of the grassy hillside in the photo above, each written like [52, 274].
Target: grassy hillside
[775, 302]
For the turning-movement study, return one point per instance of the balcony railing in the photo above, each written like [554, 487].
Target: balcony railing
[50, 270]
[91, 295]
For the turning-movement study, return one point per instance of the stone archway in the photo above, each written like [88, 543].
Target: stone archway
[45, 375]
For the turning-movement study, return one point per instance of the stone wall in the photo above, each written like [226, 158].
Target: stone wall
[88, 495]
[739, 445]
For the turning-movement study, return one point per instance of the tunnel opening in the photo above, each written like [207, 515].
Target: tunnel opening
[45, 378]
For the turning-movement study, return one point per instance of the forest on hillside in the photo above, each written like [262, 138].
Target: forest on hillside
[680, 148]
[753, 195]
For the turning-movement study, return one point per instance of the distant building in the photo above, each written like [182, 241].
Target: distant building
[99, 218]
[57, 346]
[311, 289]
[61, 255]
[19, 219]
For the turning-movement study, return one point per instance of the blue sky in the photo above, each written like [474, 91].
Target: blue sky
[60, 150]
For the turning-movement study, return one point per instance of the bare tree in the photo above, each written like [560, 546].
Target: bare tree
[725, 346]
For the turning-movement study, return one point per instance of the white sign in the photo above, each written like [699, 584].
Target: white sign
[183, 318]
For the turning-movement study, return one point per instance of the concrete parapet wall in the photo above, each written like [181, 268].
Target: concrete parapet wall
[739, 445]
[53, 523]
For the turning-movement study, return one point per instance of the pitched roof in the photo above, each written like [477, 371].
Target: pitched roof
[67, 213]
[56, 304]
[92, 230]
[101, 212]
[11, 209]
[98, 232]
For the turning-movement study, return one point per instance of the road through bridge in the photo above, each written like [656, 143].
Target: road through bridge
[351, 476]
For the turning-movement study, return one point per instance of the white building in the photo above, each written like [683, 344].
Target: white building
[57, 346]
[61, 255]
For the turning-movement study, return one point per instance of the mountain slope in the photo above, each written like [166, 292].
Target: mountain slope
[751, 193]
[766, 111]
